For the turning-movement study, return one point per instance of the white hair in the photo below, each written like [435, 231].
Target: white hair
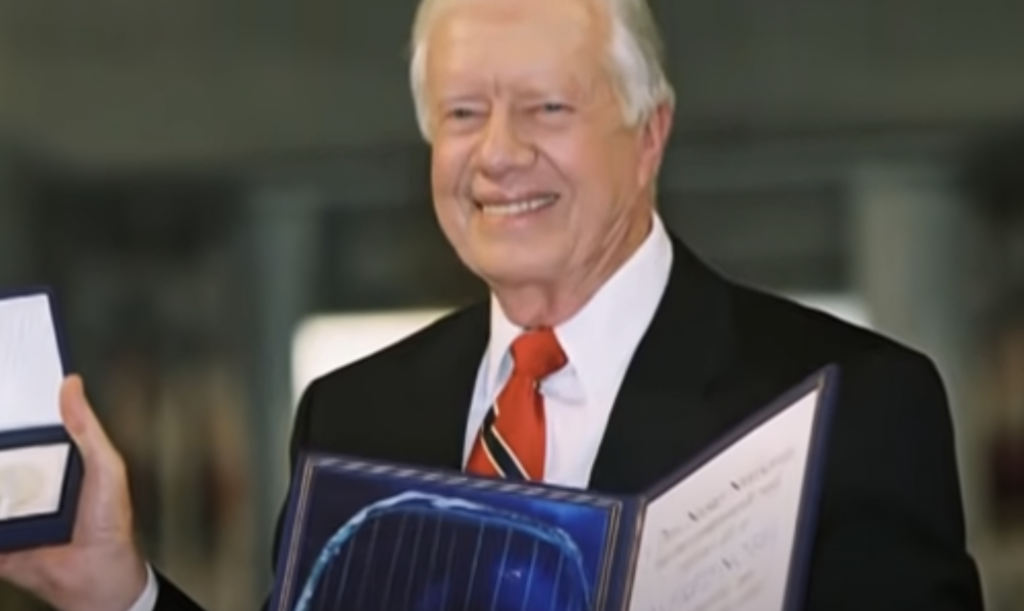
[635, 53]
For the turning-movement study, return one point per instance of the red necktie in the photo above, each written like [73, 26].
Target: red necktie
[511, 442]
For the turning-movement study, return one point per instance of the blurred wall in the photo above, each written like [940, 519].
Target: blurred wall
[116, 84]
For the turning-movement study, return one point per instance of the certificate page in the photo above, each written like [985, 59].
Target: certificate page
[722, 538]
[31, 372]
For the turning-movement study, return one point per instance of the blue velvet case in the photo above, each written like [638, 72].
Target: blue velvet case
[40, 467]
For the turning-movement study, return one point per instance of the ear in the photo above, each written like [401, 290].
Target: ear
[654, 136]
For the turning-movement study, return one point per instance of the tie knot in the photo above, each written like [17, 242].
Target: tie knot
[537, 354]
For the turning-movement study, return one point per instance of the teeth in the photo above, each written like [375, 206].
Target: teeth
[519, 207]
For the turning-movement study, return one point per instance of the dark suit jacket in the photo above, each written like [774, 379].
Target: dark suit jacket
[890, 535]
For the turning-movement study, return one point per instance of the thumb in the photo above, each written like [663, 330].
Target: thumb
[81, 421]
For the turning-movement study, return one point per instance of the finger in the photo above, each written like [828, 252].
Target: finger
[104, 513]
[81, 422]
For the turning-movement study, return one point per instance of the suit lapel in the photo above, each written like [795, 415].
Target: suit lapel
[664, 414]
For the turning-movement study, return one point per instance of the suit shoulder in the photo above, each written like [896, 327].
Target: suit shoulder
[768, 324]
[352, 409]
[402, 356]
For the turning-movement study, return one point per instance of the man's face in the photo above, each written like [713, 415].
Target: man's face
[537, 179]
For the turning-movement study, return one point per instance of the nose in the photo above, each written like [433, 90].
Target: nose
[502, 148]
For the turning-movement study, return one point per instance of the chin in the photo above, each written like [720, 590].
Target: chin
[511, 272]
[513, 258]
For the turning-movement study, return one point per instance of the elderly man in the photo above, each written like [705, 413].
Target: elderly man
[548, 121]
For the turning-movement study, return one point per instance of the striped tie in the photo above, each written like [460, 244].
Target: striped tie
[512, 443]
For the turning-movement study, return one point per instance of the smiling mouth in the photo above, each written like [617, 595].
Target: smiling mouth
[517, 206]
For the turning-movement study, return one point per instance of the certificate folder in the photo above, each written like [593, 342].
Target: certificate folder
[40, 469]
[730, 530]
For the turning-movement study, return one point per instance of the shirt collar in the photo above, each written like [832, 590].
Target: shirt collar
[600, 339]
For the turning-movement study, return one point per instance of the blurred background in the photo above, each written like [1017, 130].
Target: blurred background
[231, 197]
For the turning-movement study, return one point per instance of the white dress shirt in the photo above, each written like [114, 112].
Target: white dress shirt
[599, 342]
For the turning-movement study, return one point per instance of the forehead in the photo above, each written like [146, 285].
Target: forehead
[515, 38]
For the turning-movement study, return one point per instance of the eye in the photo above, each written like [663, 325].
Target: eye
[553, 107]
[461, 113]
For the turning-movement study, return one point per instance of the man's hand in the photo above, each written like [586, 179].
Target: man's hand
[100, 569]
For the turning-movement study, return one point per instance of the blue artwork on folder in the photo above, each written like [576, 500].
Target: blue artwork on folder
[375, 543]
